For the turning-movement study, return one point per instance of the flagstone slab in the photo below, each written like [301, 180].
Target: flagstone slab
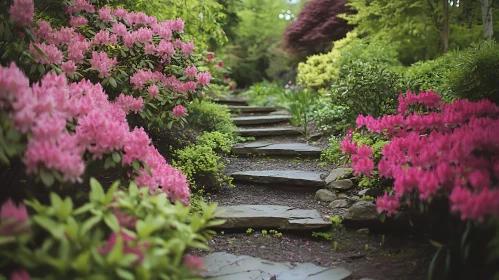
[252, 120]
[271, 131]
[232, 101]
[306, 179]
[282, 149]
[228, 266]
[270, 217]
[252, 109]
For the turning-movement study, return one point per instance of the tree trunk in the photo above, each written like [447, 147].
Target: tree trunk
[445, 28]
[488, 27]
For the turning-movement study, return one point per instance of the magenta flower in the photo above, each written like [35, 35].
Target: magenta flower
[20, 275]
[190, 71]
[13, 219]
[203, 78]
[179, 111]
[387, 203]
[105, 14]
[129, 246]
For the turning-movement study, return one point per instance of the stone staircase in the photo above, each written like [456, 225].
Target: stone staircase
[262, 123]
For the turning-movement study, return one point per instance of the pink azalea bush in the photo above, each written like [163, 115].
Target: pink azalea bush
[436, 149]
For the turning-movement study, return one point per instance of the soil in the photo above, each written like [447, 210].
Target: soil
[377, 255]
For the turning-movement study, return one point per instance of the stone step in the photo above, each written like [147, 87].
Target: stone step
[232, 101]
[222, 265]
[310, 181]
[260, 120]
[281, 149]
[270, 217]
[271, 131]
[252, 109]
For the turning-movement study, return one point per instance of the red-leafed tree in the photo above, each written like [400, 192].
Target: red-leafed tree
[317, 27]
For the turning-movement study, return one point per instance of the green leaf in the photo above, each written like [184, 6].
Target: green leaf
[117, 251]
[109, 163]
[112, 222]
[41, 69]
[29, 34]
[83, 209]
[169, 125]
[132, 189]
[96, 191]
[123, 274]
[42, 53]
[147, 168]
[113, 83]
[110, 192]
[136, 164]
[7, 239]
[47, 177]
[116, 157]
[89, 224]
[431, 269]
[82, 262]
[50, 225]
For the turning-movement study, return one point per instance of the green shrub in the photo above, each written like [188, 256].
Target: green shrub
[429, 75]
[217, 141]
[299, 102]
[475, 73]
[122, 234]
[332, 154]
[330, 117]
[367, 89]
[210, 116]
[202, 166]
[375, 51]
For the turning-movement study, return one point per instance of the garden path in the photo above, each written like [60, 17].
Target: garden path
[271, 214]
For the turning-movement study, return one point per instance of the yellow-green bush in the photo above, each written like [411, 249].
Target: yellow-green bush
[319, 71]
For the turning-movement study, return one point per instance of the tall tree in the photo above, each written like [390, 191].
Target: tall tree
[317, 27]
[488, 27]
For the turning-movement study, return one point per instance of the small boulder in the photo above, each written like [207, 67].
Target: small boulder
[362, 192]
[362, 213]
[341, 185]
[338, 173]
[325, 195]
[339, 203]
[363, 231]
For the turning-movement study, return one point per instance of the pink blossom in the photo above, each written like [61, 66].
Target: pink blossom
[203, 78]
[102, 63]
[193, 262]
[124, 219]
[128, 103]
[387, 203]
[54, 55]
[22, 12]
[136, 145]
[104, 38]
[77, 50]
[190, 71]
[153, 91]
[363, 166]
[129, 246]
[120, 29]
[13, 219]
[187, 87]
[143, 35]
[20, 275]
[178, 25]
[179, 111]
[165, 49]
[163, 30]
[13, 83]
[81, 5]
[150, 49]
[44, 29]
[105, 14]
[78, 21]
[120, 13]
[187, 48]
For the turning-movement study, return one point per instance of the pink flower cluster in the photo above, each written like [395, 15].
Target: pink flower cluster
[129, 104]
[13, 219]
[179, 111]
[102, 63]
[130, 246]
[43, 111]
[450, 149]
[361, 157]
[22, 12]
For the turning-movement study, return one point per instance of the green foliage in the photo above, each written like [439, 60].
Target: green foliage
[299, 102]
[332, 154]
[476, 74]
[89, 242]
[330, 117]
[367, 50]
[249, 230]
[336, 221]
[319, 71]
[430, 75]
[210, 116]
[217, 141]
[367, 88]
[203, 167]
[264, 94]
[369, 198]
[325, 235]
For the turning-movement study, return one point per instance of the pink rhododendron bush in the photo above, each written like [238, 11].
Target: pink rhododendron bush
[72, 115]
[436, 152]
[143, 64]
